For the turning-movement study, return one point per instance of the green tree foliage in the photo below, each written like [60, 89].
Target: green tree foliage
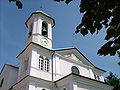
[18, 3]
[98, 14]
[119, 57]
[113, 80]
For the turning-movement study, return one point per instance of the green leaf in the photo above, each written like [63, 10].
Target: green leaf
[12, 0]
[58, 0]
[84, 31]
[111, 32]
[79, 26]
[119, 63]
[97, 25]
[19, 4]
[106, 49]
[77, 31]
[68, 1]
[118, 52]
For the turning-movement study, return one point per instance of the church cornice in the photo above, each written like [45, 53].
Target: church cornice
[54, 50]
[29, 77]
[40, 12]
[82, 79]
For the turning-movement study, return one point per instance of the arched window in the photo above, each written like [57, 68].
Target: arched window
[75, 70]
[30, 30]
[44, 29]
[44, 63]
[43, 89]
[64, 89]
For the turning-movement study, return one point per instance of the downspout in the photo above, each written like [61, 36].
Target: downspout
[52, 66]
[52, 71]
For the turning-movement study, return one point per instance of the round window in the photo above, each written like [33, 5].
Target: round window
[75, 70]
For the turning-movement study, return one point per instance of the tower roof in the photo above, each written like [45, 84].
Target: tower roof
[42, 14]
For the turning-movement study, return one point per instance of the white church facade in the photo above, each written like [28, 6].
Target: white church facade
[44, 68]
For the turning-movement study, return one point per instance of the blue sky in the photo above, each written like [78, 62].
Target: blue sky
[67, 17]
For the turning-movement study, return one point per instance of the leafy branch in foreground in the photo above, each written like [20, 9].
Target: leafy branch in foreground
[18, 3]
[112, 79]
[99, 14]
[119, 57]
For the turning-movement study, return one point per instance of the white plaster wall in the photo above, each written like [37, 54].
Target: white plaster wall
[37, 30]
[36, 38]
[10, 77]
[63, 67]
[23, 73]
[33, 85]
[89, 87]
[84, 71]
[13, 76]
[34, 69]
[41, 74]
[68, 86]
[23, 86]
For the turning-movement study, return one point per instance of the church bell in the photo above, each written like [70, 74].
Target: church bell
[44, 31]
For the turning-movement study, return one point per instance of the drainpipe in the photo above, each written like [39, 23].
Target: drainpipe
[52, 66]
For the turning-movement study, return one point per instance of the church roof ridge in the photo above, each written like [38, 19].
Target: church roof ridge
[8, 65]
[40, 11]
[59, 49]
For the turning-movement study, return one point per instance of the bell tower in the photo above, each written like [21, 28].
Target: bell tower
[39, 27]
[36, 58]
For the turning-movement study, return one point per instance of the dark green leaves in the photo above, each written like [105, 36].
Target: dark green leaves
[96, 15]
[84, 31]
[66, 1]
[106, 49]
[111, 47]
[18, 3]
[99, 13]
[113, 80]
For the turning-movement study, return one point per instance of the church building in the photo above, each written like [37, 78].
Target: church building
[44, 68]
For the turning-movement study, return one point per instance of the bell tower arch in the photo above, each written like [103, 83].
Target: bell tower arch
[40, 27]
[44, 29]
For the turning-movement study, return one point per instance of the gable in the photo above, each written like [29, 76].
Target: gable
[73, 57]
[75, 54]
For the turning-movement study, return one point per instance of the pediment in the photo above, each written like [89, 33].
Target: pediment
[73, 57]
[74, 54]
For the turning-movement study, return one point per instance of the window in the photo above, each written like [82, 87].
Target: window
[75, 70]
[30, 30]
[44, 29]
[97, 77]
[43, 63]
[43, 89]
[1, 83]
[64, 89]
